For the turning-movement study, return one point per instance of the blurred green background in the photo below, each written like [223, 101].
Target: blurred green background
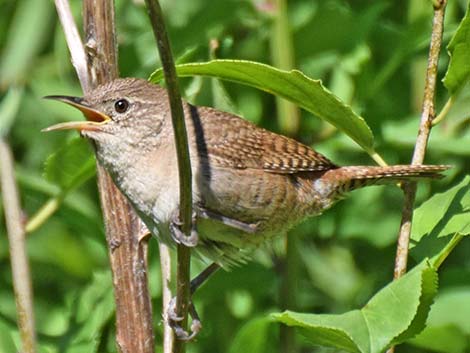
[372, 54]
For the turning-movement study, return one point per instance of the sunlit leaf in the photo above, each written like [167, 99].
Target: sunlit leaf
[458, 72]
[445, 339]
[26, 36]
[393, 315]
[443, 215]
[292, 85]
[71, 165]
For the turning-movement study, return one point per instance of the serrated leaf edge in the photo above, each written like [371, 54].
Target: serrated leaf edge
[302, 325]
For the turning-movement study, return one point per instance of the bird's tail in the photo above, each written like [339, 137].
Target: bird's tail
[350, 178]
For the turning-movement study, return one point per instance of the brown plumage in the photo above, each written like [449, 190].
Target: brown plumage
[249, 184]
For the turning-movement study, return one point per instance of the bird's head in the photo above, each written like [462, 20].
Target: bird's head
[127, 109]
[125, 119]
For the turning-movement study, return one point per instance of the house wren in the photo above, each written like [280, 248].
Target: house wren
[249, 184]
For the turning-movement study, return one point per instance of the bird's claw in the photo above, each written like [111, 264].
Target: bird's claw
[184, 335]
[179, 237]
[174, 321]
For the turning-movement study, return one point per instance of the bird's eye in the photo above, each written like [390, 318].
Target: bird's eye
[121, 106]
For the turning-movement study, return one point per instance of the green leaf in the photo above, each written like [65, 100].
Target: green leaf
[92, 310]
[452, 308]
[253, 337]
[445, 339]
[71, 165]
[443, 215]
[8, 109]
[27, 34]
[292, 85]
[6, 340]
[458, 72]
[448, 324]
[393, 315]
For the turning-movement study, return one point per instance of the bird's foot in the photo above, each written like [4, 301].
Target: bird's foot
[174, 321]
[179, 237]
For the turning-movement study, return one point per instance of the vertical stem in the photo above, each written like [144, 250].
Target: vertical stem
[288, 115]
[128, 256]
[165, 268]
[427, 116]
[287, 293]
[184, 165]
[74, 43]
[282, 55]
[18, 257]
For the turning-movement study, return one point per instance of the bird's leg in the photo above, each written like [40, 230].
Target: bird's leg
[201, 278]
[175, 320]
[234, 223]
[177, 234]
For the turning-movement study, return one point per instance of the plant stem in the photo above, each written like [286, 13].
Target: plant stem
[427, 115]
[43, 213]
[74, 43]
[184, 165]
[437, 261]
[288, 291]
[378, 159]
[19, 260]
[128, 255]
[444, 111]
[165, 268]
[288, 117]
[282, 55]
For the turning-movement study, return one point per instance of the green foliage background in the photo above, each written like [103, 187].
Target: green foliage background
[371, 54]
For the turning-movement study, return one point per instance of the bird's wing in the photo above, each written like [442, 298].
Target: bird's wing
[233, 142]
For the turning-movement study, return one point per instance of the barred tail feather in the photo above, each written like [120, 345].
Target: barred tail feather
[351, 178]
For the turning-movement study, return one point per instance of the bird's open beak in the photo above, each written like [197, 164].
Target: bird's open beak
[95, 119]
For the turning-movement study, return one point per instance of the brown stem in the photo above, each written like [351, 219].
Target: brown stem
[165, 268]
[427, 116]
[184, 165]
[19, 260]
[128, 256]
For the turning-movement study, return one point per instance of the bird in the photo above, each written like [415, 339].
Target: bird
[249, 184]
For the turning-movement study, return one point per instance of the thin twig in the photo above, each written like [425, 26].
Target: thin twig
[427, 116]
[74, 42]
[445, 110]
[184, 166]
[165, 268]
[43, 214]
[18, 257]
[177, 113]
